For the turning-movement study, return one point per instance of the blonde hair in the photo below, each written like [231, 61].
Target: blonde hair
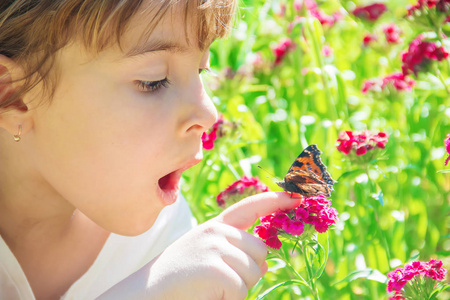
[31, 32]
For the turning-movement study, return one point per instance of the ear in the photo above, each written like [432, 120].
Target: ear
[12, 115]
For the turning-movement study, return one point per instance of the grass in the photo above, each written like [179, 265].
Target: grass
[393, 209]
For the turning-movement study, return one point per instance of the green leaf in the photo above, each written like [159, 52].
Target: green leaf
[370, 274]
[282, 284]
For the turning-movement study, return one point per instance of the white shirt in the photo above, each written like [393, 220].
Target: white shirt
[119, 257]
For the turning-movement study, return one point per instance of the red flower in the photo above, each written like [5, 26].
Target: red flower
[316, 12]
[208, 139]
[441, 6]
[310, 4]
[371, 85]
[327, 51]
[219, 129]
[402, 278]
[283, 48]
[314, 212]
[361, 142]
[399, 81]
[447, 146]
[368, 38]
[244, 187]
[370, 12]
[396, 80]
[392, 34]
[397, 296]
[419, 55]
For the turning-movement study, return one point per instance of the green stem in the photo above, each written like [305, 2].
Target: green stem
[226, 161]
[375, 210]
[312, 282]
[442, 79]
[318, 55]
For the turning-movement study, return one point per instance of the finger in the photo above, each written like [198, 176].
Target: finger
[264, 268]
[232, 285]
[248, 243]
[244, 213]
[247, 269]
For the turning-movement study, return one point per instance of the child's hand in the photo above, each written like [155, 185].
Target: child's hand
[216, 260]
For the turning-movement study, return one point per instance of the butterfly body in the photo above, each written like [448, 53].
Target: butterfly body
[308, 175]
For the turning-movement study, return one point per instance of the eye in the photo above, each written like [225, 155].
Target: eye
[152, 86]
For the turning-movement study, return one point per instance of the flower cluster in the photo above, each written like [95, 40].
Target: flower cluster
[397, 81]
[370, 12]
[244, 187]
[369, 38]
[361, 142]
[283, 48]
[314, 213]
[419, 55]
[447, 147]
[392, 33]
[440, 5]
[416, 277]
[219, 129]
[316, 12]
[209, 138]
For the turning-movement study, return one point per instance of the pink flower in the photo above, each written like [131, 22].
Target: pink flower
[441, 6]
[327, 51]
[392, 33]
[370, 12]
[314, 212]
[283, 48]
[219, 129]
[244, 187]
[309, 4]
[397, 80]
[419, 55]
[371, 85]
[368, 38]
[409, 279]
[208, 139]
[316, 12]
[361, 142]
[447, 146]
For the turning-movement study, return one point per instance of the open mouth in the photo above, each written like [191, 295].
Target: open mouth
[169, 184]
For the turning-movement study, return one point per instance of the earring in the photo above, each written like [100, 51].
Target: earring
[17, 136]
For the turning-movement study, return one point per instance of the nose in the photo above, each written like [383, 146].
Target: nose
[197, 109]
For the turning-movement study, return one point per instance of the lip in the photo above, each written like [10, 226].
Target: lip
[169, 185]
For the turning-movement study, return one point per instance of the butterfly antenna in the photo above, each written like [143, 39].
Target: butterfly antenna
[271, 175]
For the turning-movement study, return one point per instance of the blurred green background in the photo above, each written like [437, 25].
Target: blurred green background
[393, 209]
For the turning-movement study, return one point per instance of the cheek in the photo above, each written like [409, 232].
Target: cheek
[97, 151]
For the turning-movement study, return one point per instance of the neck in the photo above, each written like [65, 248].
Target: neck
[29, 205]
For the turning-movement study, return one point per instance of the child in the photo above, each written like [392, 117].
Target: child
[101, 110]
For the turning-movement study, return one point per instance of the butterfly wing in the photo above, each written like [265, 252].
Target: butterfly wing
[306, 183]
[308, 175]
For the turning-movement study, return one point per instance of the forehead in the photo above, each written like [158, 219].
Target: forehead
[170, 32]
[171, 27]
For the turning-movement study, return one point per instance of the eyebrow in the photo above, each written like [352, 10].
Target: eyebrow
[155, 46]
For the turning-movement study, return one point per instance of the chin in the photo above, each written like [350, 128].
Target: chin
[134, 222]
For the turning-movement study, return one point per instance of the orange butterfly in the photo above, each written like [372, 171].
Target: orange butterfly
[308, 175]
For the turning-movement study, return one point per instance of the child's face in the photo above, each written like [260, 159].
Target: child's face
[110, 134]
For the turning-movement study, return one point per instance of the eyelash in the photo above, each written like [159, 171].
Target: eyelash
[153, 86]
